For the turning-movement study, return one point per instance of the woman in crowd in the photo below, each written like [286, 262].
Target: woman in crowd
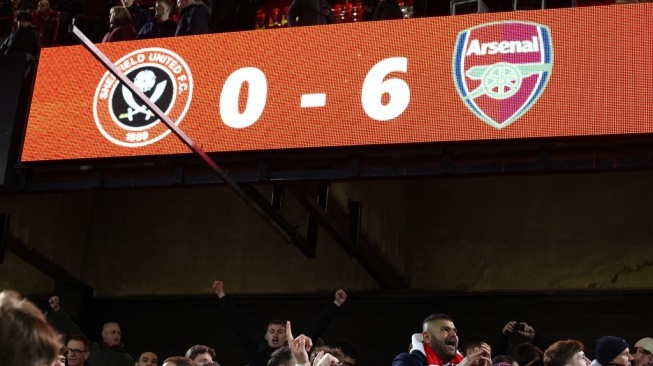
[121, 27]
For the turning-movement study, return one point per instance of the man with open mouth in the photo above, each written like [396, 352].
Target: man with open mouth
[259, 353]
[437, 345]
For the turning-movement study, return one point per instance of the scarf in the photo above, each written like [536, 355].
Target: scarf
[433, 359]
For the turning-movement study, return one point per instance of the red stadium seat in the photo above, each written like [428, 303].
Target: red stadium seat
[261, 17]
[338, 13]
[594, 2]
[346, 13]
[47, 25]
[282, 17]
[357, 12]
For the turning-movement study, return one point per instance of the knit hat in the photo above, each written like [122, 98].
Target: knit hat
[609, 347]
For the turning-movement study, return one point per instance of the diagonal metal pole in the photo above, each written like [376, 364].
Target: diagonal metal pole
[272, 216]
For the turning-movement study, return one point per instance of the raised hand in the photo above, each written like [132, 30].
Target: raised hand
[509, 327]
[299, 346]
[481, 356]
[325, 359]
[341, 297]
[528, 331]
[218, 288]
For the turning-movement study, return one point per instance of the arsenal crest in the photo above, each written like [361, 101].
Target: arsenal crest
[163, 77]
[501, 69]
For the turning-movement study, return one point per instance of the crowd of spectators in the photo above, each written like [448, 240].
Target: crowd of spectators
[165, 18]
[29, 338]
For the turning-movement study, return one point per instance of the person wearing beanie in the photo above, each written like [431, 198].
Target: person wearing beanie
[643, 355]
[612, 351]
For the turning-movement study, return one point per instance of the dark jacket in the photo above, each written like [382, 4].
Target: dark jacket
[388, 9]
[22, 40]
[310, 12]
[103, 355]
[258, 353]
[194, 20]
[156, 29]
[122, 30]
[414, 358]
[417, 355]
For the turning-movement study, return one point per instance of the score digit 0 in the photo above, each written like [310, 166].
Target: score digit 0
[256, 98]
[374, 87]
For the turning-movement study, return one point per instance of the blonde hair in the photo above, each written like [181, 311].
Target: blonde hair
[47, 5]
[120, 12]
[25, 336]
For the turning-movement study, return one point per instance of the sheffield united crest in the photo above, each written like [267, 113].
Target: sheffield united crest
[501, 69]
[163, 76]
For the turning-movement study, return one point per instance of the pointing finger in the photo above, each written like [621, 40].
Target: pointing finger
[289, 336]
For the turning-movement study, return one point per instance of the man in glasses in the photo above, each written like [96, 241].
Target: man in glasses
[110, 349]
[642, 355]
[78, 350]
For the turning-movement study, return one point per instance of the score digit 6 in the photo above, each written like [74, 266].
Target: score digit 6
[375, 86]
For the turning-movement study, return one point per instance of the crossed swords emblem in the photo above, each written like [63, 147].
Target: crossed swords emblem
[135, 108]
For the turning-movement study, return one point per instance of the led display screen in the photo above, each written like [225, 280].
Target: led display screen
[526, 74]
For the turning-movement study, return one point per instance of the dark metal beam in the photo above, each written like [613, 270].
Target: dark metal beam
[355, 212]
[313, 221]
[248, 194]
[157, 172]
[294, 237]
[277, 196]
[365, 251]
[40, 262]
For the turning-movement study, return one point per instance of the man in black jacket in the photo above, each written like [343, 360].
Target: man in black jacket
[194, 18]
[24, 39]
[310, 12]
[259, 353]
[161, 25]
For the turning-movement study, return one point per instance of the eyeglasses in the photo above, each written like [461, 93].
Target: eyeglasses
[76, 352]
